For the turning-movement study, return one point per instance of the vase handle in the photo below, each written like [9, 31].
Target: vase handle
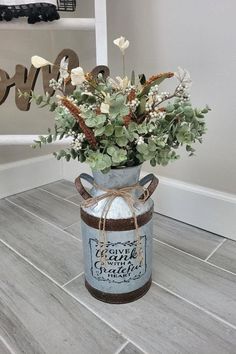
[79, 186]
[152, 186]
[85, 194]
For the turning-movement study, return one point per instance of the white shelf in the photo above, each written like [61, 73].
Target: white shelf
[10, 140]
[83, 24]
[97, 24]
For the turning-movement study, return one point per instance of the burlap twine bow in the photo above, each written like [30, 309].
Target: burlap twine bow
[111, 195]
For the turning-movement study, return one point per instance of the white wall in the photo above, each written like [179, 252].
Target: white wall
[199, 36]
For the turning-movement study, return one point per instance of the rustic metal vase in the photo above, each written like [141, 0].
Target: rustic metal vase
[124, 277]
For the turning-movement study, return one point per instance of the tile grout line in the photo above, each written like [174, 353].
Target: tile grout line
[195, 257]
[154, 238]
[77, 276]
[102, 319]
[217, 247]
[177, 249]
[3, 340]
[70, 294]
[216, 266]
[67, 227]
[122, 347]
[73, 195]
[211, 314]
[55, 195]
[44, 220]
[77, 239]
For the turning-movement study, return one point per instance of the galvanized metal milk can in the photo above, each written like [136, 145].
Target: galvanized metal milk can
[124, 274]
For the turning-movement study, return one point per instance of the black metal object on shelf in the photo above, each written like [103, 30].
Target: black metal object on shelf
[66, 5]
[34, 12]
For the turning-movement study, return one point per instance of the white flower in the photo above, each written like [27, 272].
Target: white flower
[64, 68]
[105, 108]
[77, 76]
[119, 83]
[39, 62]
[112, 82]
[123, 83]
[122, 43]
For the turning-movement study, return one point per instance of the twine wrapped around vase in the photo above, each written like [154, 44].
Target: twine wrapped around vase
[111, 195]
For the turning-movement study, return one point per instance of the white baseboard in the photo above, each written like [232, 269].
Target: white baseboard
[19, 176]
[205, 208]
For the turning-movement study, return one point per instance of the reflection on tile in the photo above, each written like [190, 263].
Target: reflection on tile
[225, 256]
[48, 207]
[197, 281]
[50, 249]
[162, 323]
[188, 238]
[39, 317]
[75, 230]
[63, 188]
[131, 349]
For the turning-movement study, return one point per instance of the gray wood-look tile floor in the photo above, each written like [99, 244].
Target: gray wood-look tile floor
[45, 308]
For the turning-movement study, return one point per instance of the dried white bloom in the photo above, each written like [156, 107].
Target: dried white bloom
[183, 76]
[123, 83]
[77, 76]
[140, 140]
[119, 83]
[64, 68]
[153, 114]
[77, 143]
[122, 43]
[39, 62]
[133, 104]
[56, 84]
[105, 107]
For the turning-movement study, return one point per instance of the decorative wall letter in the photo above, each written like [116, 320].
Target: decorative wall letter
[25, 80]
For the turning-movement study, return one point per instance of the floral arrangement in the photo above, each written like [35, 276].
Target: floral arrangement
[123, 121]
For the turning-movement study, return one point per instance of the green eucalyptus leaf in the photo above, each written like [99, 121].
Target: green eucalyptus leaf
[39, 100]
[87, 113]
[119, 131]
[170, 108]
[53, 106]
[153, 162]
[142, 105]
[49, 138]
[109, 130]
[119, 156]
[122, 141]
[101, 118]
[142, 148]
[99, 131]
[132, 126]
[98, 161]
[151, 145]
[188, 111]
[111, 150]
